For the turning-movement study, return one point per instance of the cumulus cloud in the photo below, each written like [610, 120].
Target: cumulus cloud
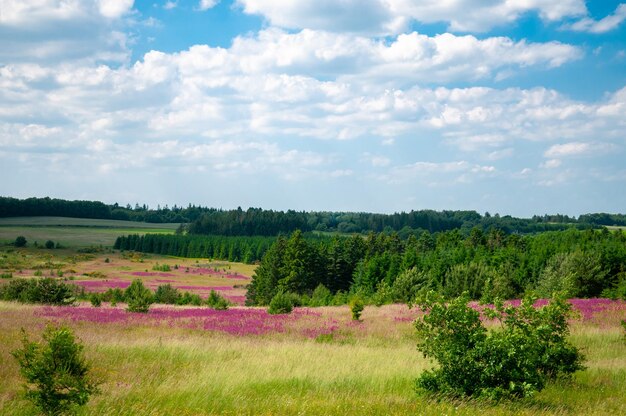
[604, 25]
[393, 16]
[62, 30]
[114, 9]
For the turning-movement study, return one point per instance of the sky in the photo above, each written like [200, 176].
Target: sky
[516, 107]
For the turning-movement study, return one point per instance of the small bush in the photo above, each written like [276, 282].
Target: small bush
[515, 361]
[6, 276]
[138, 297]
[321, 296]
[217, 301]
[166, 294]
[49, 244]
[113, 295]
[356, 307]
[96, 300]
[20, 241]
[162, 267]
[56, 372]
[281, 303]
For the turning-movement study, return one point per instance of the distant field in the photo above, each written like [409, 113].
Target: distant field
[75, 232]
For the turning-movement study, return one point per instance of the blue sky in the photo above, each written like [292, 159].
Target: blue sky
[515, 107]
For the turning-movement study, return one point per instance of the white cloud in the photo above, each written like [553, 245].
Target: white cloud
[551, 164]
[169, 5]
[54, 31]
[393, 16]
[604, 25]
[114, 9]
[437, 173]
[578, 149]
[207, 4]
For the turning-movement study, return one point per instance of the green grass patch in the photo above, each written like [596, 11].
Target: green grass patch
[74, 232]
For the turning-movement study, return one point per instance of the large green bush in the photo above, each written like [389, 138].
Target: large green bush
[47, 290]
[57, 375]
[138, 297]
[281, 303]
[514, 360]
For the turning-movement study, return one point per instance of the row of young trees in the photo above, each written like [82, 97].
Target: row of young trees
[385, 268]
[240, 249]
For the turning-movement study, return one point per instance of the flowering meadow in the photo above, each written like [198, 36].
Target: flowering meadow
[244, 361]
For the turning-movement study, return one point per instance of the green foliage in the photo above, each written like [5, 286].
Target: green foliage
[162, 267]
[517, 360]
[49, 244]
[113, 295]
[321, 296]
[96, 300]
[47, 290]
[8, 275]
[356, 307]
[20, 241]
[281, 303]
[166, 294]
[217, 301]
[138, 297]
[57, 375]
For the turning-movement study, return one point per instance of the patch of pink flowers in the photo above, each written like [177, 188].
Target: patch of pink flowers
[234, 321]
[101, 285]
[150, 274]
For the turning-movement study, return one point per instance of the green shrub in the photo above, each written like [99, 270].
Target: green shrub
[162, 267]
[217, 301]
[138, 297]
[281, 303]
[49, 244]
[166, 294]
[113, 295]
[356, 307]
[515, 361]
[6, 276]
[47, 290]
[321, 296]
[96, 300]
[57, 375]
[20, 241]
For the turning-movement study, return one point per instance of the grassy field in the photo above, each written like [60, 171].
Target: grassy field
[75, 232]
[162, 368]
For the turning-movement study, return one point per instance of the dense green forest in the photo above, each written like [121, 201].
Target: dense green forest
[385, 268]
[256, 221]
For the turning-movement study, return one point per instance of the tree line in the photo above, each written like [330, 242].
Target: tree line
[257, 221]
[384, 268]
[238, 249]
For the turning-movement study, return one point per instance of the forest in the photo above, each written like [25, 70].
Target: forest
[384, 268]
[260, 222]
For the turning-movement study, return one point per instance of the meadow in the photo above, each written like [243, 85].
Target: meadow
[75, 232]
[198, 361]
